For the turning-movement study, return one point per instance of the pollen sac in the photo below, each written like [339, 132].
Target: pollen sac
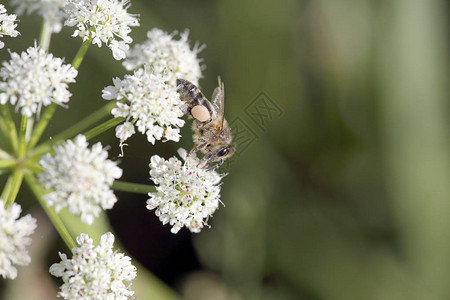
[200, 113]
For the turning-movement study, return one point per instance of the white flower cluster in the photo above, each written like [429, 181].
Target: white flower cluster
[50, 10]
[163, 53]
[147, 102]
[7, 24]
[80, 178]
[14, 238]
[33, 79]
[186, 194]
[103, 21]
[95, 273]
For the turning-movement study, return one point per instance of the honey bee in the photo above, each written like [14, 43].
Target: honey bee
[212, 134]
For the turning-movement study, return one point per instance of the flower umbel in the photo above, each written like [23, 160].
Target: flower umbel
[103, 21]
[14, 238]
[7, 24]
[186, 194]
[80, 178]
[149, 103]
[49, 10]
[34, 79]
[95, 272]
[165, 54]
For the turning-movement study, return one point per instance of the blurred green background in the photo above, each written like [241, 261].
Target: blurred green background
[341, 185]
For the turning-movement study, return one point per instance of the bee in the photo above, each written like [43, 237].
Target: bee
[212, 134]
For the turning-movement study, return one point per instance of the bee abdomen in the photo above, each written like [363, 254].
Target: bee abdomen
[192, 95]
[187, 90]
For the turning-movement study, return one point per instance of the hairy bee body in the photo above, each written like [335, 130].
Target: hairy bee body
[212, 134]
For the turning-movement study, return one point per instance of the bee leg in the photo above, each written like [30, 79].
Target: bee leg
[194, 149]
[216, 166]
[186, 109]
[221, 161]
[204, 162]
[197, 147]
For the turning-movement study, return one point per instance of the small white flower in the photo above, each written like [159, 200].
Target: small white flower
[186, 194]
[34, 79]
[80, 178]
[7, 24]
[165, 54]
[50, 10]
[14, 238]
[148, 103]
[95, 272]
[104, 21]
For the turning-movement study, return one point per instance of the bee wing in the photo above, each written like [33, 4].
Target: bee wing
[218, 100]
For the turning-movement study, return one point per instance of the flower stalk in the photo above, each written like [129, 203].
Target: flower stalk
[12, 187]
[7, 163]
[4, 136]
[81, 53]
[71, 131]
[10, 127]
[4, 155]
[53, 216]
[45, 37]
[41, 125]
[133, 187]
[103, 127]
[22, 137]
[86, 122]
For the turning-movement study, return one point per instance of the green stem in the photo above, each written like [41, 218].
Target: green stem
[41, 125]
[86, 122]
[53, 216]
[4, 155]
[46, 34]
[10, 127]
[29, 131]
[7, 189]
[74, 130]
[33, 166]
[7, 163]
[103, 127]
[12, 187]
[81, 53]
[4, 136]
[22, 135]
[133, 187]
